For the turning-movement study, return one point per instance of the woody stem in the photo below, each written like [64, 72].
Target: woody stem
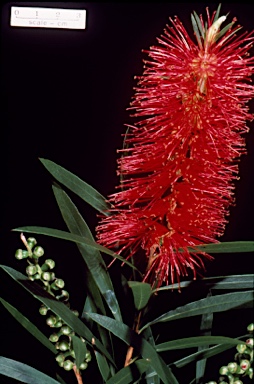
[130, 348]
[78, 375]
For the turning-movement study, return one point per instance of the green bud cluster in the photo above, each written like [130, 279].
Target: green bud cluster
[43, 272]
[242, 366]
[66, 356]
[63, 342]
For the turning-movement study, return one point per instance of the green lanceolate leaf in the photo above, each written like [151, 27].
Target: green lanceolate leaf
[95, 304]
[141, 293]
[205, 330]
[224, 30]
[91, 256]
[199, 24]
[76, 185]
[220, 282]
[60, 379]
[193, 342]
[226, 247]
[205, 354]
[71, 237]
[102, 365]
[123, 332]
[130, 373]
[80, 350]
[151, 376]
[30, 327]
[196, 30]
[218, 303]
[217, 14]
[24, 373]
[58, 308]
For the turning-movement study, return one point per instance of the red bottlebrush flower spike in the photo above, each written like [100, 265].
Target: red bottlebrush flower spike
[178, 169]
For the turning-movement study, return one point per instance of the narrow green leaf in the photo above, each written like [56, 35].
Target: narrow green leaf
[217, 13]
[123, 332]
[224, 30]
[200, 27]
[58, 308]
[220, 282]
[226, 247]
[196, 31]
[95, 304]
[80, 350]
[130, 373]
[23, 372]
[205, 330]
[141, 293]
[30, 327]
[88, 307]
[102, 365]
[60, 379]
[218, 303]
[151, 376]
[193, 342]
[205, 354]
[92, 257]
[71, 237]
[76, 185]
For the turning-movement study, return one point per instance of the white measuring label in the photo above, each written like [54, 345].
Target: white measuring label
[48, 17]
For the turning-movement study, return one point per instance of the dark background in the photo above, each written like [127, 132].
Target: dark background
[64, 95]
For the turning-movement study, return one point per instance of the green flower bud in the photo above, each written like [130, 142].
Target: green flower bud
[59, 283]
[51, 264]
[38, 251]
[75, 312]
[85, 365]
[48, 276]
[223, 370]
[60, 358]
[239, 370]
[31, 241]
[237, 381]
[58, 324]
[63, 346]
[68, 365]
[54, 287]
[244, 364]
[19, 254]
[249, 342]
[54, 337]
[88, 357]
[250, 372]
[51, 321]
[37, 276]
[25, 254]
[65, 330]
[64, 295]
[31, 270]
[232, 367]
[250, 327]
[43, 310]
[44, 267]
[241, 348]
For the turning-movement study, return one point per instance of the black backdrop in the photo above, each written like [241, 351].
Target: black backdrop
[64, 98]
